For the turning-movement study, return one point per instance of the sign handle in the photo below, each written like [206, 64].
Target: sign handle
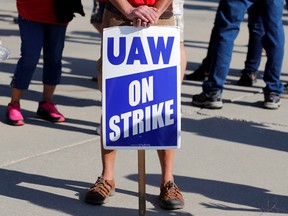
[141, 182]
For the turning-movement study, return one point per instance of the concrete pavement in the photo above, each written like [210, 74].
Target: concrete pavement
[233, 161]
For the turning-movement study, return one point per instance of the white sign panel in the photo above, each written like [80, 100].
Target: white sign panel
[141, 88]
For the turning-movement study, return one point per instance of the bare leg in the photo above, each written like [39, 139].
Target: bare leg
[108, 161]
[166, 158]
[48, 91]
[16, 95]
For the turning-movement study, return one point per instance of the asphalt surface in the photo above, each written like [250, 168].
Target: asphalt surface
[232, 162]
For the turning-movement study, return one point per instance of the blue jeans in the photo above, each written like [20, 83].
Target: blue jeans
[256, 33]
[229, 16]
[34, 37]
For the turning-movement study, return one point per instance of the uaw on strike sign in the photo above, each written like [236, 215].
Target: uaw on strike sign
[141, 88]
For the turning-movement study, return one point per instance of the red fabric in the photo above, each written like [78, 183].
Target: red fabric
[142, 2]
[37, 10]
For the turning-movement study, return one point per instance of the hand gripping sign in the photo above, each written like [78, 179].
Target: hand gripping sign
[141, 88]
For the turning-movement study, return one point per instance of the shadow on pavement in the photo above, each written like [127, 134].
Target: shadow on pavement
[252, 199]
[40, 190]
[238, 132]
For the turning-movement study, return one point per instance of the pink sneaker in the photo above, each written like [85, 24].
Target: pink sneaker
[14, 116]
[47, 110]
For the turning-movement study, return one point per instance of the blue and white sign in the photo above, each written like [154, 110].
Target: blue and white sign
[141, 88]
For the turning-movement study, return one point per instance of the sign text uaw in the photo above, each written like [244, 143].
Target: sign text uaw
[141, 88]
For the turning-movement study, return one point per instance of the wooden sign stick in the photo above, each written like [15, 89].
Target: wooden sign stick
[141, 182]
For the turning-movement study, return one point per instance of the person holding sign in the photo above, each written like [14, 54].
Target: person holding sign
[137, 13]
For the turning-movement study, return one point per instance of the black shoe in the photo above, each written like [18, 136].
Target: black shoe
[271, 100]
[211, 100]
[200, 74]
[248, 78]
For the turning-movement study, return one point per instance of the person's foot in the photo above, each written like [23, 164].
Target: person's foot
[13, 115]
[199, 74]
[285, 92]
[170, 196]
[100, 192]
[48, 111]
[271, 100]
[248, 78]
[211, 100]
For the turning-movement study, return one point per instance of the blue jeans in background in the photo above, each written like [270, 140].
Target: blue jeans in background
[34, 37]
[229, 16]
[256, 33]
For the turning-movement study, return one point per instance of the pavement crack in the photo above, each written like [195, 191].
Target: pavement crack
[47, 152]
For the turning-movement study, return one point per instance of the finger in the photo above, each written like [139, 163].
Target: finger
[134, 22]
[139, 22]
[144, 24]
